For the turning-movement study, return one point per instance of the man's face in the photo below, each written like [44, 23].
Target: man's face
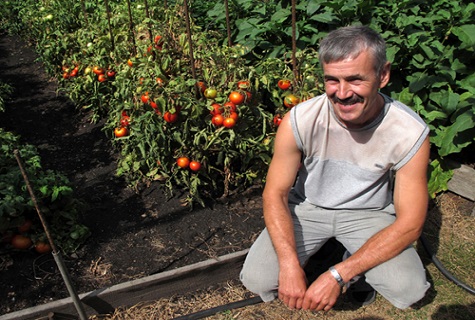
[352, 85]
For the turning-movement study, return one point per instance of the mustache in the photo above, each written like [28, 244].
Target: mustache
[348, 101]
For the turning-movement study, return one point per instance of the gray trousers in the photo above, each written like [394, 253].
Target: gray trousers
[401, 280]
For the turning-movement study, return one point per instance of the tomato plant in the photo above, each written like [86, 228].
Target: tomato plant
[53, 190]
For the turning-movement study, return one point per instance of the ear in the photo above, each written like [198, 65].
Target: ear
[385, 75]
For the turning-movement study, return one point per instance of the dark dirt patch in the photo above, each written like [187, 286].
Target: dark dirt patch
[134, 234]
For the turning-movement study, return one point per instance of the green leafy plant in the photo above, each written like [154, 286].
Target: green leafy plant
[5, 91]
[53, 192]
[430, 46]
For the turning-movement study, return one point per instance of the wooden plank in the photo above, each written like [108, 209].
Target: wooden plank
[166, 284]
[463, 182]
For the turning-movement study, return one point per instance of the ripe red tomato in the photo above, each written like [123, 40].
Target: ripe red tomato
[98, 70]
[170, 117]
[145, 98]
[102, 78]
[74, 72]
[160, 81]
[244, 85]
[65, 75]
[229, 123]
[210, 93]
[234, 115]
[42, 247]
[121, 132]
[153, 104]
[183, 162]
[236, 97]
[110, 74]
[217, 120]
[229, 106]
[217, 109]
[291, 100]
[157, 39]
[277, 120]
[25, 226]
[202, 86]
[130, 63]
[125, 121]
[21, 242]
[248, 96]
[284, 84]
[195, 166]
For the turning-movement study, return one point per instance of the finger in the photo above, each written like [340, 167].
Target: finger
[298, 303]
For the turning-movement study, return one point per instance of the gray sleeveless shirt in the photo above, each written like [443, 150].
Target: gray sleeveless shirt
[352, 168]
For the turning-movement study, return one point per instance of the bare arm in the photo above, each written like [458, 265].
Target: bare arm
[280, 178]
[410, 200]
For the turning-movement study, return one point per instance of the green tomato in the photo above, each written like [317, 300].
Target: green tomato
[210, 93]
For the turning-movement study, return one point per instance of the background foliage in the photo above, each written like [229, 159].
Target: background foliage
[430, 45]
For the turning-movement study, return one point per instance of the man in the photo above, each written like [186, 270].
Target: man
[351, 165]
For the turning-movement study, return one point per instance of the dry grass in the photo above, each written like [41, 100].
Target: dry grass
[449, 229]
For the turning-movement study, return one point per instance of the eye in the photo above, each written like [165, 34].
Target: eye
[331, 82]
[356, 82]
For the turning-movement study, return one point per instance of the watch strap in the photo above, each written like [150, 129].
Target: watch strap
[337, 276]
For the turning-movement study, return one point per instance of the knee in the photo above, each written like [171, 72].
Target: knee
[259, 283]
[406, 292]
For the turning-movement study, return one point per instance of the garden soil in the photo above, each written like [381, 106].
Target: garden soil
[134, 232]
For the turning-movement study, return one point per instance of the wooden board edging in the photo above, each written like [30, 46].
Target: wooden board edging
[463, 182]
[166, 284]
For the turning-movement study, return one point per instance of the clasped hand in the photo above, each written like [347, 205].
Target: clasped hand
[320, 295]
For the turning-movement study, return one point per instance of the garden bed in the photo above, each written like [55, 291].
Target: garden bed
[135, 233]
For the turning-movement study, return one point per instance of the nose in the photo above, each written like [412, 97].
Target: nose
[344, 90]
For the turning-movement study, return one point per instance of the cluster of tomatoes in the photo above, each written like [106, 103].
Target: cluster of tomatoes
[22, 241]
[184, 162]
[102, 74]
[290, 100]
[70, 73]
[170, 116]
[158, 44]
[226, 115]
[123, 129]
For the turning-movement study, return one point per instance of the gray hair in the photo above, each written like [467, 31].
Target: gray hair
[349, 42]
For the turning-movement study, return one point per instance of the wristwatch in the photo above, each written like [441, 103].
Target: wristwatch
[337, 276]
